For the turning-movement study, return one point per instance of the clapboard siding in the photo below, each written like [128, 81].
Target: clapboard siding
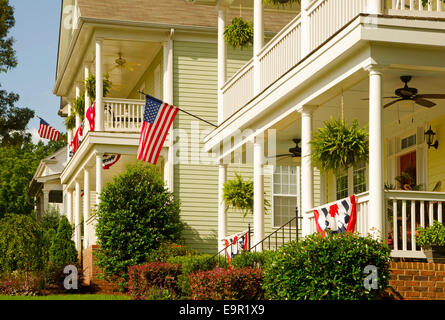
[196, 184]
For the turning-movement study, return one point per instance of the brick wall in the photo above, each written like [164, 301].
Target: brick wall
[417, 281]
[91, 273]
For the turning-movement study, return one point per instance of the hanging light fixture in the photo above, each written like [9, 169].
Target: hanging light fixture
[429, 135]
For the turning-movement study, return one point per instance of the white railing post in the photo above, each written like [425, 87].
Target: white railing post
[222, 214]
[86, 206]
[305, 29]
[258, 43]
[375, 7]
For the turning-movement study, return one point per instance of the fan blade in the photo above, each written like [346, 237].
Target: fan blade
[424, 103]
[393, 102]
[431, 96]
[281, 155]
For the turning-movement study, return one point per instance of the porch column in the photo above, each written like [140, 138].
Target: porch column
[222, 215]
[69, 205]
[45, 201]
[376, 195]
[87, 98]
[375, 6]
[86, 206]
[77, 96]
[258, 43]
[99, 86]
[305, 32]
[69, 131]
[307, 172]
[222, 60]
[168, 97]
[77, 216]
[258, 190]
[98, 177]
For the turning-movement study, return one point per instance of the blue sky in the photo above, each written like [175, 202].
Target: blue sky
[36, 35]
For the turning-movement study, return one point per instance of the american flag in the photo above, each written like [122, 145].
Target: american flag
[48, 132]
[158, 118]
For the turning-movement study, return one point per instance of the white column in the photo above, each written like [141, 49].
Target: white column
[77, 215]
[258, 43]
[168, 97]
[258, 190]
[86, 206]
[69, 205]
[376, 201]
[45, 201]
[222, 214]
[222, 61]
[375, 6]
[307, 172]
[87, 98]
[99, 126]
[70, 132]
[98, 177]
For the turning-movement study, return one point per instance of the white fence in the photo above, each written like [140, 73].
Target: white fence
[123, 115]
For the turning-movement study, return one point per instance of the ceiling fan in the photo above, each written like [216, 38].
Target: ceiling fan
[123, 64]
[407, 93]
[293, 152]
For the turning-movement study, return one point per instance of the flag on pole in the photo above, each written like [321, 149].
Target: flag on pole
[48, 132]
[338, 217]
[158, 118]
[91, 116]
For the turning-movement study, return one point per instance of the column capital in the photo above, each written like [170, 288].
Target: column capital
[307, 109]
[374, 68]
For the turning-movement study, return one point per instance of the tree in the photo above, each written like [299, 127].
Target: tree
[20, 244]
[136, 214]
[63, 250]
[13, 120]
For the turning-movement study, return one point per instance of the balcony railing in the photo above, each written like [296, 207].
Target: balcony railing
[286, 49]
[123, 115]
[405, 211]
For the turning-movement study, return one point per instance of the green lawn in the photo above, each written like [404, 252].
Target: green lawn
[70, 297]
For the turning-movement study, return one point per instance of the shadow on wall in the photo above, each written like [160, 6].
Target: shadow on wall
[193, 239]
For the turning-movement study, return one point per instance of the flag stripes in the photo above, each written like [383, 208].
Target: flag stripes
[48, 132]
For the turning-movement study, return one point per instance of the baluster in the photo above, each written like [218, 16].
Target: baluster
[431, 213]
[411, 5]
[439, 211]
[404, 240]
[422, 213]
[394, 224]
[430, 5]
[439, 5]
[413, 225]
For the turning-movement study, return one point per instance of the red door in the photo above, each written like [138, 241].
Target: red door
[408, 169]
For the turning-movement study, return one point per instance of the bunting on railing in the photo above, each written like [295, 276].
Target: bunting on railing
[338, 217]
[236, 244]
[109, 160]
[75, 143]
[91, 116]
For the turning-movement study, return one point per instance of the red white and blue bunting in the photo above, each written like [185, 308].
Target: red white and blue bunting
[109, 160]
[236, 244]
[338, 217]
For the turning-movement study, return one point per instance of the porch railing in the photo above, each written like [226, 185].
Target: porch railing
[405, 211]
[123, 115]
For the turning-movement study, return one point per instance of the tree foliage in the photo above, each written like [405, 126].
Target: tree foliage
[20, 244]
[63, 250]
[136, 214]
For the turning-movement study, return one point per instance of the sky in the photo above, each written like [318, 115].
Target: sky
[36, 35]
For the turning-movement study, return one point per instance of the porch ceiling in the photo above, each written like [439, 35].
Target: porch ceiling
[356, 107]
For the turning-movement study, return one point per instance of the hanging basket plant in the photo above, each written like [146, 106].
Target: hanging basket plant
[70, 121]
[239, 34]
[90, 86]
[79, 106]
[238, 195]
[338, 146]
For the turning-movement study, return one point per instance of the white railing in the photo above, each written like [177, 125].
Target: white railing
[326, 17]
[416, 5]
[123, 115]
[238, 90]
[281, 53]
[405, 211]
[408, 210]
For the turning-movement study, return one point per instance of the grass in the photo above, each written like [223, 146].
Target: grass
[69, 297]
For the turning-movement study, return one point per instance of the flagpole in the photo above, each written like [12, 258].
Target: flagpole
[192, 115]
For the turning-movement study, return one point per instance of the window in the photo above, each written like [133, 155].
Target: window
[55, 196]
[285, 180]
[352, 181]
[408, 142]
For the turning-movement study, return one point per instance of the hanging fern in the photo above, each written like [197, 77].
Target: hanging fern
[70, 122]
[239, 33]
[79, 106]
[90, 86]
[337, 146]
[238, 195]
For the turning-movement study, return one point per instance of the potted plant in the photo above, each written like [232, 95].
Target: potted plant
[239, 33]
[432, 240]
[90, 86]
[79, 106]
[238, 195]
[339, 146]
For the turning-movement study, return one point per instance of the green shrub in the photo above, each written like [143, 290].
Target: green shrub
[169, 249]
[252, 259]
[135, 216]
[63, 250]
[227, 284]
[21, 243]
[432, 235]
[330, 267]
